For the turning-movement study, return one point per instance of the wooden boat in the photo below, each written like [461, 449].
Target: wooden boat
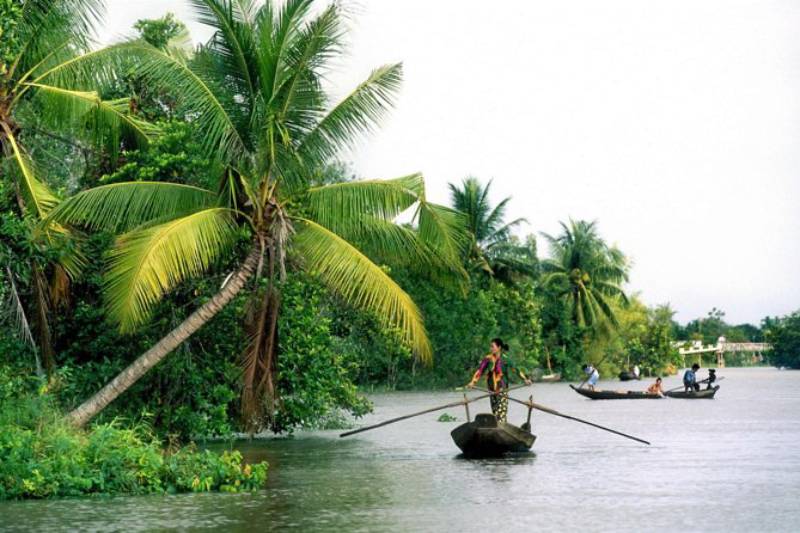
[704, 394]
[628, 376]
[547, 378]
[488, 437]
[616, 395]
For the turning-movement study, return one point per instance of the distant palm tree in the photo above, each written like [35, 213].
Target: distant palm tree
[492, 246]
[41, 39]
[586, 272]
[257, 93]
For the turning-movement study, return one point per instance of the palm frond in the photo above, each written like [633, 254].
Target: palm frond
[444, 229]
[339, 204]
[158, 69]
[361, 282]
[146, 264]
[357, 114]
[39, 199]
[50, 30]
[233, 42]
[107, 119]
[21, 318]
[126, 205]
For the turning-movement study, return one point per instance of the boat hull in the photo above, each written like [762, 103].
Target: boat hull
[628, 376]
[706, 394]
[615, 395]
[487, 437]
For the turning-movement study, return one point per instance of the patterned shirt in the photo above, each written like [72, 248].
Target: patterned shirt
[494, 365]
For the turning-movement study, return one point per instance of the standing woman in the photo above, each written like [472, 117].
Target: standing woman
[495, 365]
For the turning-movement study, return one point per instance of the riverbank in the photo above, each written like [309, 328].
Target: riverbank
[43, 456]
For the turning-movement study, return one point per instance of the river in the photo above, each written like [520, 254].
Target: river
[728, 464]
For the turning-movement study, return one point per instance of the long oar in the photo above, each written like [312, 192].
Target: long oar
[431, 410]
[547, 410]
[699, 382]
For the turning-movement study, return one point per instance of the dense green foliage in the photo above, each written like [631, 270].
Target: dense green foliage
[784, 334]
[42, 456]
[240, 134]
[195, 393]
[713, 326]
[460, 327]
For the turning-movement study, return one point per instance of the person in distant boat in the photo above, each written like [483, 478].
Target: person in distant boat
[690, 379]
[593, 374]
[655, 388]
[498, 369]
[636, 372]
[712, 377]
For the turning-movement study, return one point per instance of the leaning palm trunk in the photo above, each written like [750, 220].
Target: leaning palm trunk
[125, 379]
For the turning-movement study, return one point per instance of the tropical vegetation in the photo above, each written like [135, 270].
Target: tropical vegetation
[178, 233]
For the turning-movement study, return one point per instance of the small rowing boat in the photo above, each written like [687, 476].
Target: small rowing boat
[705, 394]
[488, 437]
[616, 395]
[628, 376]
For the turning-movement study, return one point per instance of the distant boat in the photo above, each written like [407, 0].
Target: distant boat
[705, 394]
[488, 437]
[616, 395]
[628, 376]
[550, 377]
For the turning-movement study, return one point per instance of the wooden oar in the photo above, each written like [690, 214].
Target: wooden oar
[532, 405]
[699, 382]
[431, 410]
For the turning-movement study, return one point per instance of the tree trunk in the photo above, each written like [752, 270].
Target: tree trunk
[125, 379]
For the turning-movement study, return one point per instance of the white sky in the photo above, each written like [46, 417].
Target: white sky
[674, 124]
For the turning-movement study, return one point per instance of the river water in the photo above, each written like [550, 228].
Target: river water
[728, 464]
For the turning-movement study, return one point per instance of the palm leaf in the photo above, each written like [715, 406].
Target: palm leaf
[357, 114]
[126, 205]
[443, 229]
[107, 118]
[38, 197]
[338, 204]
[146, 264]
[159, 69]
[361, 282]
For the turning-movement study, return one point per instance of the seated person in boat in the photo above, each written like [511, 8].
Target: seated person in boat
[593, 374]
[690, 379]
[498, 368]
[635, 371]
[712, 377]
[655, 388]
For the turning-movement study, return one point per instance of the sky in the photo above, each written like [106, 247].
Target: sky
[675, 125]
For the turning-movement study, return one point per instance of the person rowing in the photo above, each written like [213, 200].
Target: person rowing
[593, 374]
[690, 379]
[497, 367]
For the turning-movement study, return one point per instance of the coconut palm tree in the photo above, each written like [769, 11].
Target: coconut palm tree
[38, 39]
[586, 272]
[492, 249]
[256, 92]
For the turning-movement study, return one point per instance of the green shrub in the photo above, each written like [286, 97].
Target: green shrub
[42, 456]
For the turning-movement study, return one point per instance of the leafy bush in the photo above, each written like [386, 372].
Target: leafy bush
[42, 456]
[315, 379]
